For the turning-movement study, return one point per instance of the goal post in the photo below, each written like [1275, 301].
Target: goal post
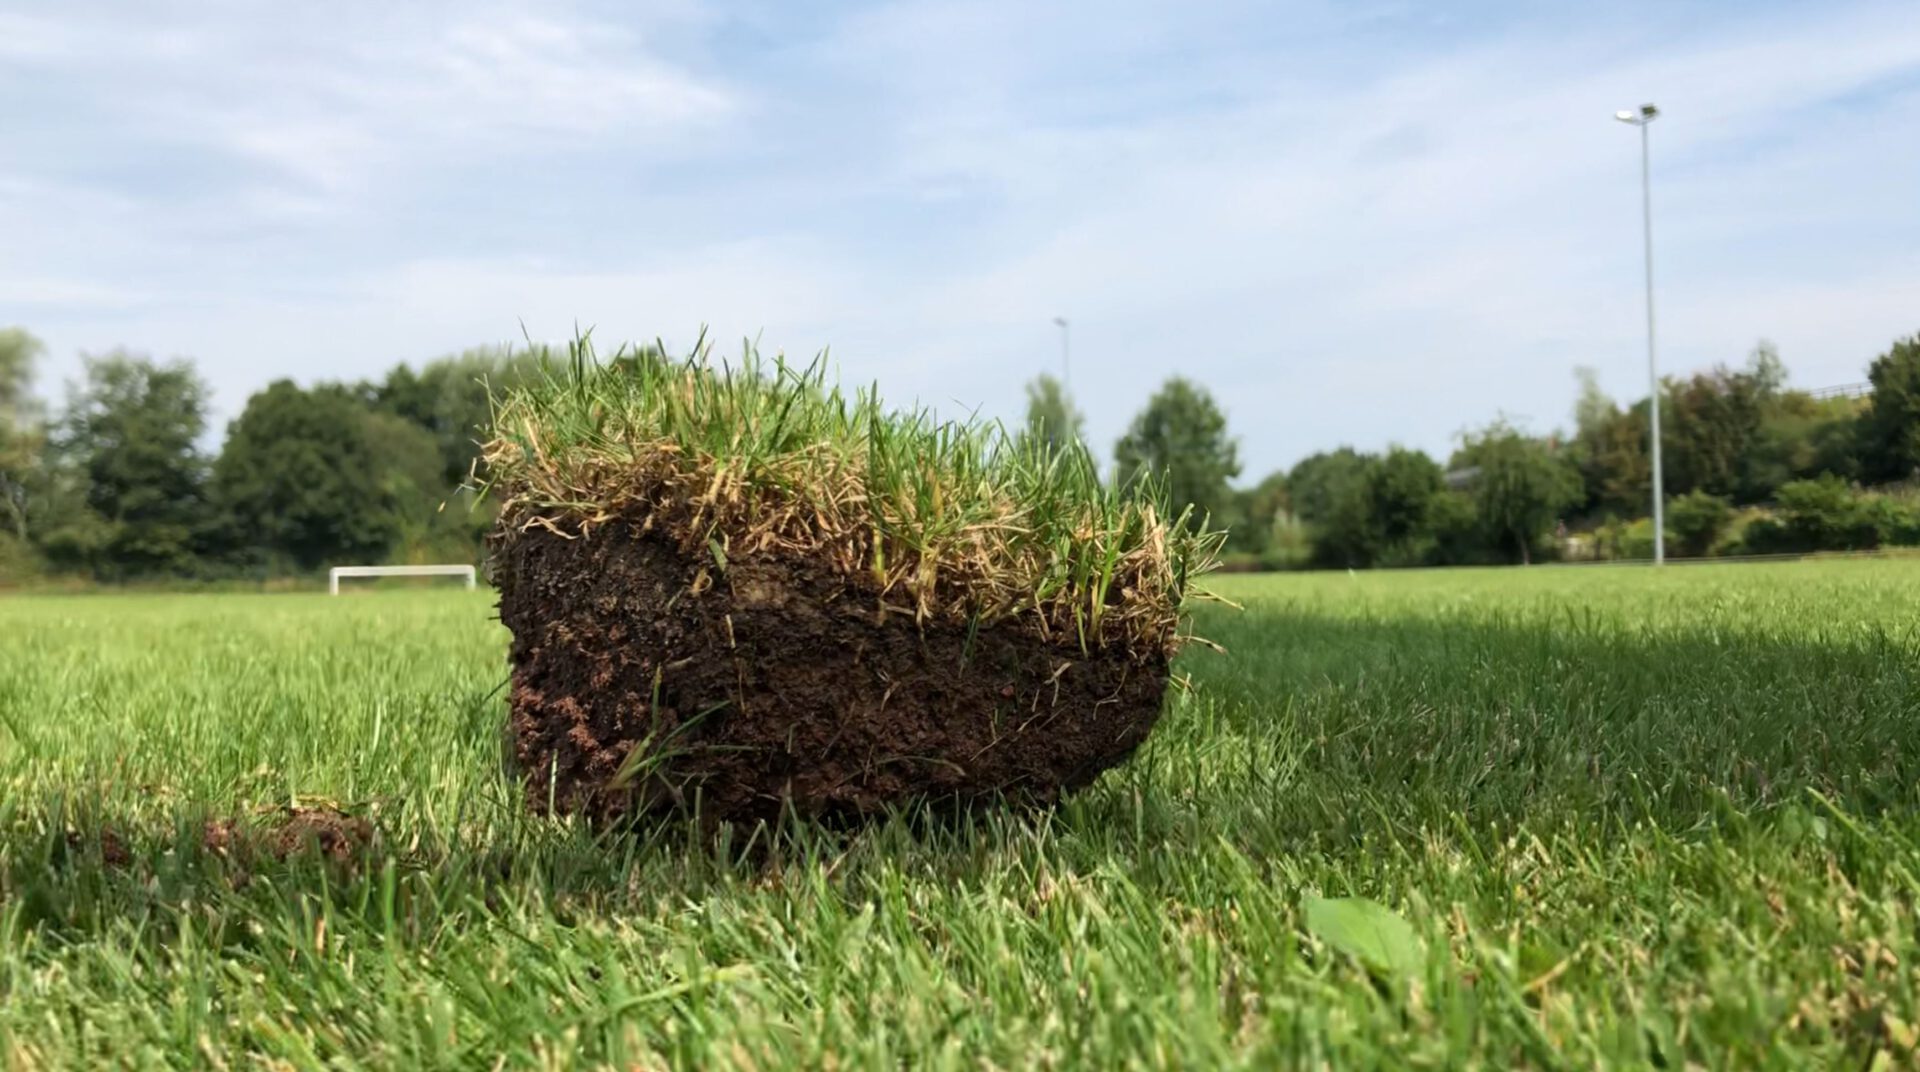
[337, 572]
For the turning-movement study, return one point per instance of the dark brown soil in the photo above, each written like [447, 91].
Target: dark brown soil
[293, 832]
[647, 679]
[113, 848]
[340, 838]
[113, 851]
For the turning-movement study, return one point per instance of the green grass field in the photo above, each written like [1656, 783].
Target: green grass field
[1631, 819]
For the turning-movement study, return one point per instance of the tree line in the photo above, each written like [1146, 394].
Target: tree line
[114, 483]
[1749, 465]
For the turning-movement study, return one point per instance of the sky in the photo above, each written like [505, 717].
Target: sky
[1362, 223]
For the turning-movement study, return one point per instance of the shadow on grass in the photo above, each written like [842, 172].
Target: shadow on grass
[1498, 719]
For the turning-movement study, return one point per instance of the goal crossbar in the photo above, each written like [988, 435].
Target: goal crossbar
[337, 572]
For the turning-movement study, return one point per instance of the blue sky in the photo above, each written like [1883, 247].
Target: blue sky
[1356, 223]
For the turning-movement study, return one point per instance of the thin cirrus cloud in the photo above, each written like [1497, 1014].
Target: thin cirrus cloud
[1356, 224]
[348, 109]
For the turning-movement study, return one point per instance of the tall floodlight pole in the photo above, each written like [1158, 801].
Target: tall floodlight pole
[1643, 119]
[1066, 375]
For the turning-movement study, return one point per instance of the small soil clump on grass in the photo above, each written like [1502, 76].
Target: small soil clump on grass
[294, 831]
[743, 593]
[113, 847]
[337, 836]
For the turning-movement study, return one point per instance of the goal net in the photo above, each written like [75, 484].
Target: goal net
[337, 572]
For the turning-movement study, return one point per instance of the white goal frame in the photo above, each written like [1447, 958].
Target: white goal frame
[337, 572]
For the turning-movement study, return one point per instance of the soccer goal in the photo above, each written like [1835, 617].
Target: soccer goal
[337, 572]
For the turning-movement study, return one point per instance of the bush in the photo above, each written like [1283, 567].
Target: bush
[1615, 540]
[1904, 528]
[1695, 522]
[1635, 540]
[1734, 541]
[17, 562]
[1826, 514]
[1458, 539]
[1291, 546]
[1766, 535]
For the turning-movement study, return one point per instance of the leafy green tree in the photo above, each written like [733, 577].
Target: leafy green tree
[1329, 493]
[1832, 438]
[1458, 537]
[44, 513]
[1620, 477]
[1765, 369]
[1052, 420]
[1802, 437]
[1890, 429]
[18, 352]
[1344, 534]
[1695, 522]
[1256, 515]
[1592, 406]
[1381, 512]
[1708, 430]
[1602, 447]
[1520, 487]
[1401, 490]
[437, 523]
[1270, 497]
[1180, 440]
[130, 437]
[21, 434]
[302, 478]
[1736, 433]
[1317, 483]
[448, 398]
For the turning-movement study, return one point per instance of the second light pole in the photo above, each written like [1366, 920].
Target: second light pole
[1643, 119]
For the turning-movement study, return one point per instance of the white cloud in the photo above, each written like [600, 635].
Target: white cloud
[545, 75]
[42, 293]
[351, 96]
[735, 289]
[1353, 228]
[35, 39]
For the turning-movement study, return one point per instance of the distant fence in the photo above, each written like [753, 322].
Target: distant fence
[337, 572]
[1845, 390]
[1895, 552]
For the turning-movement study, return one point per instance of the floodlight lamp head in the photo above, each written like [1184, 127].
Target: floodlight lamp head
[1624, 115]
[1060, 320]
[1648, 113]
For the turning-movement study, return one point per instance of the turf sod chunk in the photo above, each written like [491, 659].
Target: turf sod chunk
[744, 591]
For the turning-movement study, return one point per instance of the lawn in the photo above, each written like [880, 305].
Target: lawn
[1629, 818]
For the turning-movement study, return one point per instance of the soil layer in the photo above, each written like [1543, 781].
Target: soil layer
[646, 678]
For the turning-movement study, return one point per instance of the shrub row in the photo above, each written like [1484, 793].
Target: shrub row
[1822, 514]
